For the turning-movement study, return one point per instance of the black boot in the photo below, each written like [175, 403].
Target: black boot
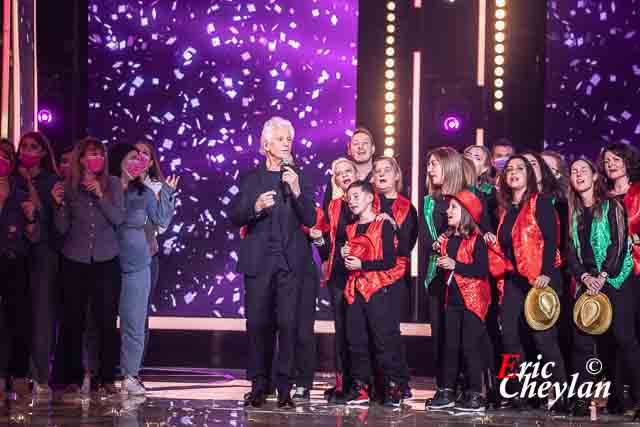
[256, 397]
[284, 399]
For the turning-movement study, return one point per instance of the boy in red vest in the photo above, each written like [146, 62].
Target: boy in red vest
[369, 255]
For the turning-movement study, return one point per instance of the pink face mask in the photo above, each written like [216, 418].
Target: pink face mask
[65, 170]
[134, 167]
[95, 164]
[29, 160]
[5, 168]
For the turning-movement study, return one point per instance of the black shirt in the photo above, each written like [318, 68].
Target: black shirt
[13, 238]
[615, 252]
[479, 268]
[407, 232]
[388, 260]
[546, 219]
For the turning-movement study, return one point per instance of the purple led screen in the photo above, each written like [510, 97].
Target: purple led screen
[198, 79]
[592, 75]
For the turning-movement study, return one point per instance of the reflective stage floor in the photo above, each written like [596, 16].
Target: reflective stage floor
[193, 397]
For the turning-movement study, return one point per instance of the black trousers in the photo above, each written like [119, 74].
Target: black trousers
[271, 298]
[515, 327]
[622, 334]
[436, 319]
[375, 320]
[339, 305]
[305, 347]
[15, 317]
[464, 337]
[96, 285]
[43, 269]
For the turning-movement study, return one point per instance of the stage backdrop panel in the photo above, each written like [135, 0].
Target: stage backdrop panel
[592, 75]
[198, 79]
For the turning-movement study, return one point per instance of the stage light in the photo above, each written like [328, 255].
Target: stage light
[389, 97]
[45, 116]
[501, 13]
[498, 83]
[389, 119]
[499, 48]
[389, 141]
[498, 105]
[499, 71]
[391, 5]
[391, 17]
[451, 124]
[390, 62]
[501, 3]
[390, 51]
[389, 130]
[500, 25]
[500, 37]
[499, 60]
[390, 85]
[390, 74]
[498, 94]
[389, 108]
[388, 152]
[391, 40]
[391, 28]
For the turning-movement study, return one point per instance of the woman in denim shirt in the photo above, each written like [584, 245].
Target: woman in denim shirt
[18, 227]
[89, 208]
[142, 207]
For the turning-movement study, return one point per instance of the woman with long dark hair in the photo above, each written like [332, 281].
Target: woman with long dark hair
[141, 207]
[18, 228]
[89, 208]
[600, 262]
[37, 174]
[528, 237]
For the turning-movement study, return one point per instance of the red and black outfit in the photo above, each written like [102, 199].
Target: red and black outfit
[468, 296]
[528, 236]
[371, 295]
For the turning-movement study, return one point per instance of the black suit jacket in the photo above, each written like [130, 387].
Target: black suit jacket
[293, 213]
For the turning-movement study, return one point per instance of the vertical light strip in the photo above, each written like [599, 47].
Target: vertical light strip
[35, 67]
[17, 113]
[499, 54]
[482, 31]
[415, 147]
[417, 4]
[390, 106]
[6, 53]
[479, 136]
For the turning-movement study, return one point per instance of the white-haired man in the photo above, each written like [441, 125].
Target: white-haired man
[273, 203]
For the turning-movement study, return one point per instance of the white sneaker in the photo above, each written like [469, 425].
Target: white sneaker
[132, 386]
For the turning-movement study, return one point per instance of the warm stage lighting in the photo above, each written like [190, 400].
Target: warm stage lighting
[390, 62]
[498, 105]
[498, 94]
[390, 74]
[499, 60]
[390, 40]
[391, 28]
[389, 141]
[390, 51]
[389, 85]
[499, 71]
[389, 97]
[391, 5]
[500, 37]
[391, 17]
[389, 108]
[389, 130]
[500, 25]
[501, 13]
[389, 119]
[501, 3]
[388, 152]
[498, 83]
[499, 48]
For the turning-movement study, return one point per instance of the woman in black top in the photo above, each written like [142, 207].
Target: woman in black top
[534, 260]
[600, 261]
[18, 228]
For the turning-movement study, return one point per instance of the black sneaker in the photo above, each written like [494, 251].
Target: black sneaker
[471, 401]
[284, 400]
[393, 395]
[256, 397]
[302, 394]
[444, 398]
[358, 394]
[580, 408]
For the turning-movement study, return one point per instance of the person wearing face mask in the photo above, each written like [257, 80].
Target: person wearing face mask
[273, 203]
[528, 238]
[153, 178]
[600, 262]
[329, 237]
[141, 207]
[37, 174]
[89, 207]
[387, 182]
[18, 227]
[445, 177]
[500, 153]
[360, 151]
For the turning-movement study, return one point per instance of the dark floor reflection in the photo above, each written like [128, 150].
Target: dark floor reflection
[213, 399]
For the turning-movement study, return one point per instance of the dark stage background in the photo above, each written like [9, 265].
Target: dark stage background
[592, 75]
[198, 79]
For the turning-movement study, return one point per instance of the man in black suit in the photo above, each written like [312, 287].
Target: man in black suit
[273, 202]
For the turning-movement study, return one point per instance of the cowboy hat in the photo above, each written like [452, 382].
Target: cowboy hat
[542, 308]
[592, 314]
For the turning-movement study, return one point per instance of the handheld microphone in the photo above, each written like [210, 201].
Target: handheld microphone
[286, 188]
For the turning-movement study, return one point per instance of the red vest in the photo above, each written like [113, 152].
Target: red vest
[528, 242]
[367, 247]
[335, 206]
[632, 205]
[400, 209]
[475, 292]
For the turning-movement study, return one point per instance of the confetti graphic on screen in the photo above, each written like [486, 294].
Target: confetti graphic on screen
[593, 75]
[198, 79]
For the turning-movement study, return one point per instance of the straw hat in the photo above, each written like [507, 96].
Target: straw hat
[542, 308]
[592, 314]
